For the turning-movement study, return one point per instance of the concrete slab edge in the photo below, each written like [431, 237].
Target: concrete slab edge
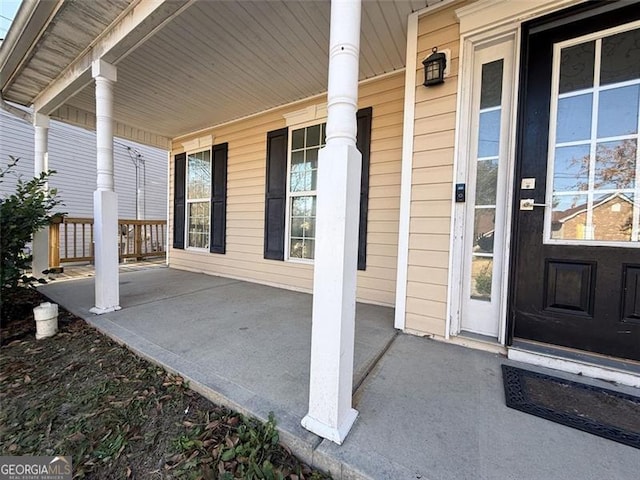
[220, 391]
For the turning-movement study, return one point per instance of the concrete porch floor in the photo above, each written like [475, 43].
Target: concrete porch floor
[428, 410]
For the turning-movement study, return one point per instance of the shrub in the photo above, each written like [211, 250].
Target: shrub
[21, 214]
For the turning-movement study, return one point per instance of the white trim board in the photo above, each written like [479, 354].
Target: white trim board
[572, 366]
[407, 160]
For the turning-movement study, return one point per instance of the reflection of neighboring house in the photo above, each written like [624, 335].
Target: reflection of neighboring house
[612, 217]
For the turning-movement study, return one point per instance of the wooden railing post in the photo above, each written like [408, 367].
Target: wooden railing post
[54, 246]
[137, 231]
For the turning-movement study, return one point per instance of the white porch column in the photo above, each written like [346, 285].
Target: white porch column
[336, 252]
[105, 200]
[40, 243]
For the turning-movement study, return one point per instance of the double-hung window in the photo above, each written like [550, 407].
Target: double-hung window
[198, 199]
[301, 190]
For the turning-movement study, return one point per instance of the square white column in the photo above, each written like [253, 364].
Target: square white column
[40, 242]
[336, 252]
[105, 200]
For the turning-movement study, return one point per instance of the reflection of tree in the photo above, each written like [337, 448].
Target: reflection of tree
[614, 166]
[487, 175]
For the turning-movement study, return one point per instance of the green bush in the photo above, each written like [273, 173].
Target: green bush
[21, 214]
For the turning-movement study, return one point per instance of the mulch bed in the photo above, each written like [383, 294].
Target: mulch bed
[118, 416]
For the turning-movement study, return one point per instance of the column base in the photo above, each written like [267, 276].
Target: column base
[101, 311]
[107, 286]
[335, 434]
[40, 251]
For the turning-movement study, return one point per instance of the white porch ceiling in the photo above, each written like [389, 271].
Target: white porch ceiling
[219, 60]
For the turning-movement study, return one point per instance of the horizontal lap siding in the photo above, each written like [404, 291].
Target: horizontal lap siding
[245, 203]
[432, 180]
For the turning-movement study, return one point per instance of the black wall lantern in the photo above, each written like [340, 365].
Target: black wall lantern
[434, 66]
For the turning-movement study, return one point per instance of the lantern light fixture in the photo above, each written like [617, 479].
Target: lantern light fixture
[434, 66]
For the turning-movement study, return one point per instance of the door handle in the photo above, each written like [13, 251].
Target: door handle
[529, 203]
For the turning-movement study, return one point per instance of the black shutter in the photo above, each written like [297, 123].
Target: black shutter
[218, 198]
[180, 169]
[363, 143]
[275, 194]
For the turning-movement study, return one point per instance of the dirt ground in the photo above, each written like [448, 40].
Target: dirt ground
[80, 394]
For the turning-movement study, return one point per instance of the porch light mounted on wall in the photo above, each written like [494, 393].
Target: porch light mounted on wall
[434, 66]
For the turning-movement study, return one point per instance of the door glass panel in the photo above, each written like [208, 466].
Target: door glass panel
[576, 67]
[615, 165]
[571, 171]
[594, 161]
[489, 133]
[491, 94]
[483, 229]
[620, 57]
[486, 182]
[481, 278]
[612, 217]
[618, 111]
[487, 164]
[574, 118]
[569, 219]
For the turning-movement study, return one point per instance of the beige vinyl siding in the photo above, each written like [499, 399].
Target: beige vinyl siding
[432, 179]
[245, 198]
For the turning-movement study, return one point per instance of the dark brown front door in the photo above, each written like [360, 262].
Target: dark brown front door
[576, 256]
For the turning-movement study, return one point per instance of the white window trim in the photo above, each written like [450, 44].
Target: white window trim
[306, 117]
[187, 201]
[548, 213]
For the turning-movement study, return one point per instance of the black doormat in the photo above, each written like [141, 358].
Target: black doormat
[606, 413]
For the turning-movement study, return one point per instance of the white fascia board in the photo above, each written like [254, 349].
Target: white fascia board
[121, 38]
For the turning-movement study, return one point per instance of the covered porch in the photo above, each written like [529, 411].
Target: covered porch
[427, 409]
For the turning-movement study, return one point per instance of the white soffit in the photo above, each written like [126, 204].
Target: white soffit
[219, 61]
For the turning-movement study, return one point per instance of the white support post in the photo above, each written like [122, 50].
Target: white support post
[105, 199]
[336, 252]
[40, 243]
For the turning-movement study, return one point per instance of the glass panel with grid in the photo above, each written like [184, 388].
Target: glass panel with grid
[303, 173]
[198, 199]
[487, 164]
[594, 158]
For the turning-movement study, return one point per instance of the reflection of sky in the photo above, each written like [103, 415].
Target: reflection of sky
[618, 111]
[489, 133]
[574, 118]
[570, 168]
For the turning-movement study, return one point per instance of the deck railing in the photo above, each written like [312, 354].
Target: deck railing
[71, 240]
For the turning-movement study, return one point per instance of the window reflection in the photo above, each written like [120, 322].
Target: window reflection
[618, 111]
[486, 185]
[489, 133]
[576, 67]
[574, 118]
[595, 190]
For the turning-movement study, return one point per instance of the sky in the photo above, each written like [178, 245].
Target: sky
[8, 9]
